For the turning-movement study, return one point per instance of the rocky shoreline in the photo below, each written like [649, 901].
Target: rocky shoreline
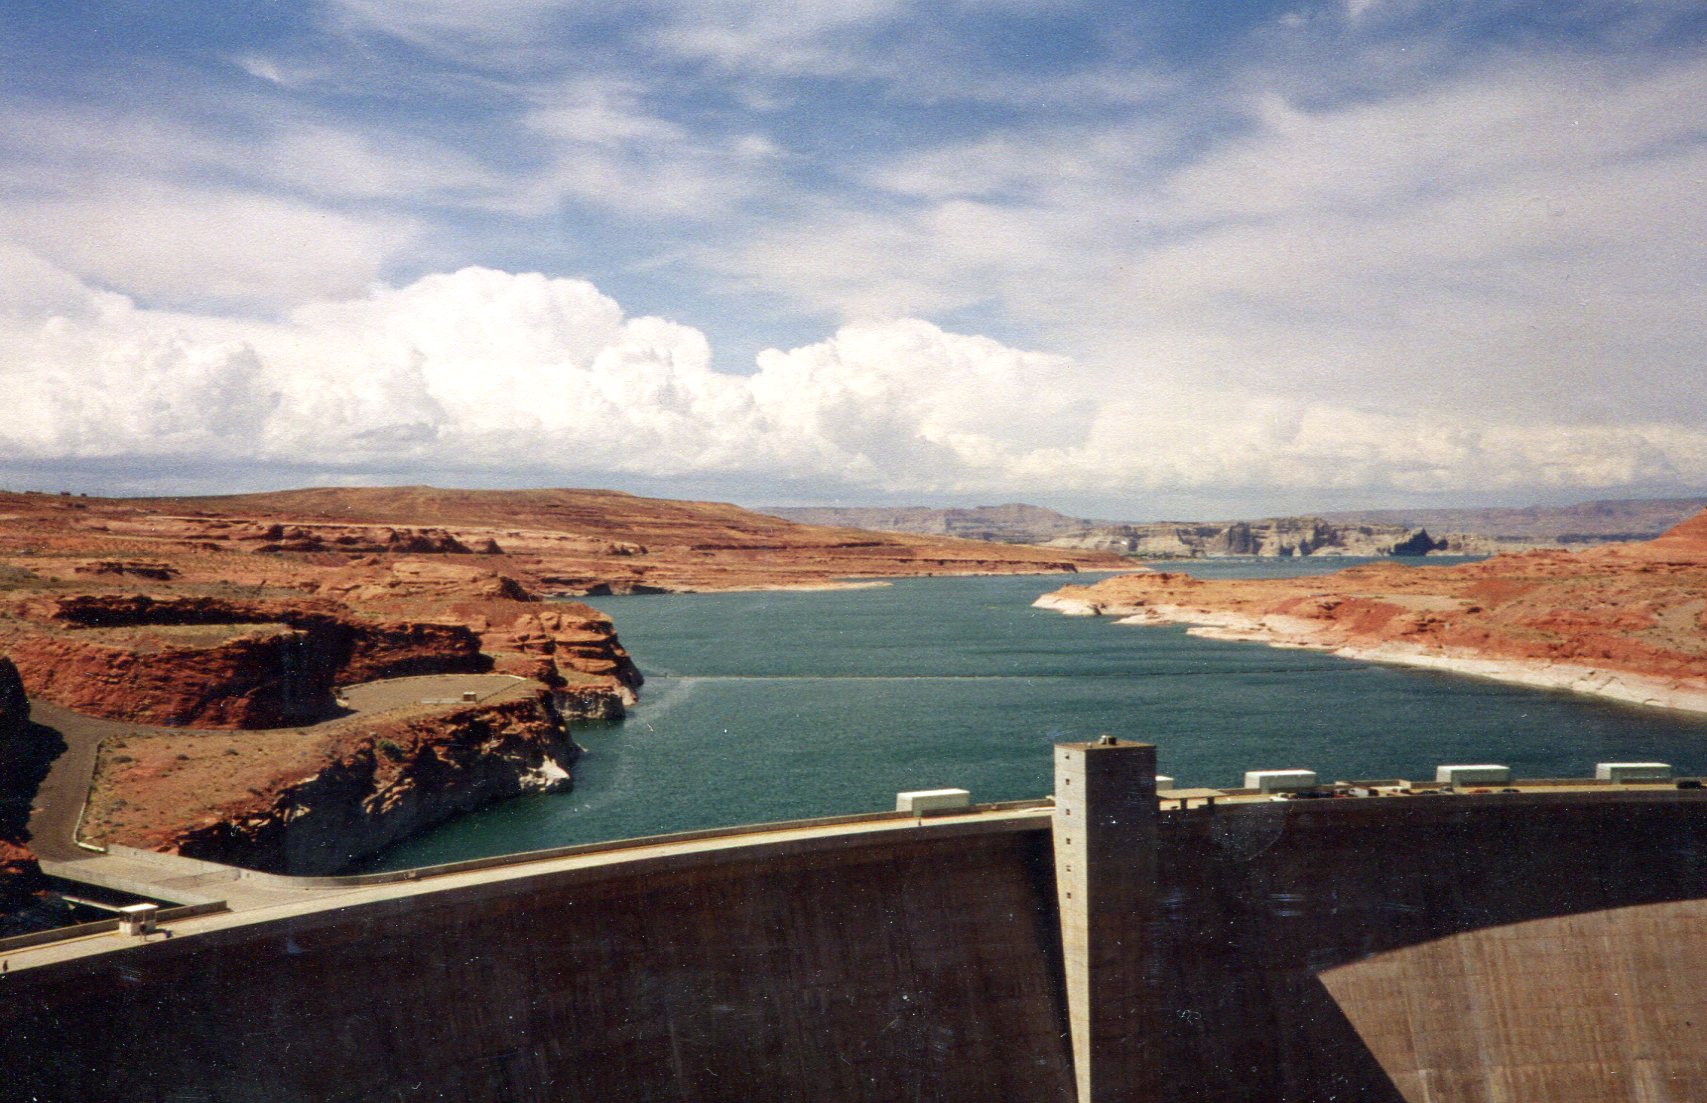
[1624, 622]
[395, 779]
[1294, 632]
[1616, 685]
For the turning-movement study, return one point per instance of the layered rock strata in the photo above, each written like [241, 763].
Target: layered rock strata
[204, 662]
[1273, 536]
[1371, 532]
[572, 648]
[380, 781]
[1277, 537]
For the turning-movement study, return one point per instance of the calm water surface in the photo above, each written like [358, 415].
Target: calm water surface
[768, 706]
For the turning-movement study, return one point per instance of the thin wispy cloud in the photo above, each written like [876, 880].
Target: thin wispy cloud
[602, 147]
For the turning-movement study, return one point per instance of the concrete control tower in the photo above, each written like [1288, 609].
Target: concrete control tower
[1105, 875]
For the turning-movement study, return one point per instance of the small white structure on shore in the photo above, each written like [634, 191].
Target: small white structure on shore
[1632, 771]
[1279, 781]
[920, 801]
[138, 919]
[1473, 775]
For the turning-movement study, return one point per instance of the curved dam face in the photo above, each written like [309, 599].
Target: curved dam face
[1523, 947]
[1471, 948]
[903, 969]
[1579, 1009]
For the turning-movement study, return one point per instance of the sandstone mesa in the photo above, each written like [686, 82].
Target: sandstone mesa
[1625, 621]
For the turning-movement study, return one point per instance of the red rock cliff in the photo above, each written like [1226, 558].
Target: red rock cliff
[390, 778]
[572, 648]
[200, 662]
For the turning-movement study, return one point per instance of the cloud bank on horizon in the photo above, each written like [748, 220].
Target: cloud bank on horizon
[1297, 255]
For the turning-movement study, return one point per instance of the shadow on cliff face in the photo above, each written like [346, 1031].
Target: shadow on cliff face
[27, 751]
[25, 760]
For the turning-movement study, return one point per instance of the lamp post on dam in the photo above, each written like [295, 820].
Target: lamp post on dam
[1105, 840]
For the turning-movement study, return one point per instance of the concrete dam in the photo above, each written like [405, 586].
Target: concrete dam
[1544, 943]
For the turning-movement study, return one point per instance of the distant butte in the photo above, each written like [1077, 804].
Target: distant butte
[1625, 621]
[1376, 533]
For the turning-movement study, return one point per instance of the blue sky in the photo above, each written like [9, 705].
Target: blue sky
[1131, 260]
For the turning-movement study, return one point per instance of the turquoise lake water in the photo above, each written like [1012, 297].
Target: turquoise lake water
[771, 706]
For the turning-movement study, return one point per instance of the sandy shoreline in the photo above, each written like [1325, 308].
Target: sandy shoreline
[1297, 632]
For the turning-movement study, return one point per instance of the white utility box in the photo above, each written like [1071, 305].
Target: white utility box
[1279, 781]
[920, 801]
[138, 919]
[1632, 771]
[1163, 781]
[1473, 775]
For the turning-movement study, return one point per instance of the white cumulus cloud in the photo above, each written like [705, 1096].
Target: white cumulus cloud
[492, 372]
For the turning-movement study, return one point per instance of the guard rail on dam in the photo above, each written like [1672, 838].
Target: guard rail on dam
[1531, 946]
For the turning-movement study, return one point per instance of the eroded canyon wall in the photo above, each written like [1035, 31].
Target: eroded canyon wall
[403, 776]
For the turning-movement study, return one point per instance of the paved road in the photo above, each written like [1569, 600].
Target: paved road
[59, 800]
